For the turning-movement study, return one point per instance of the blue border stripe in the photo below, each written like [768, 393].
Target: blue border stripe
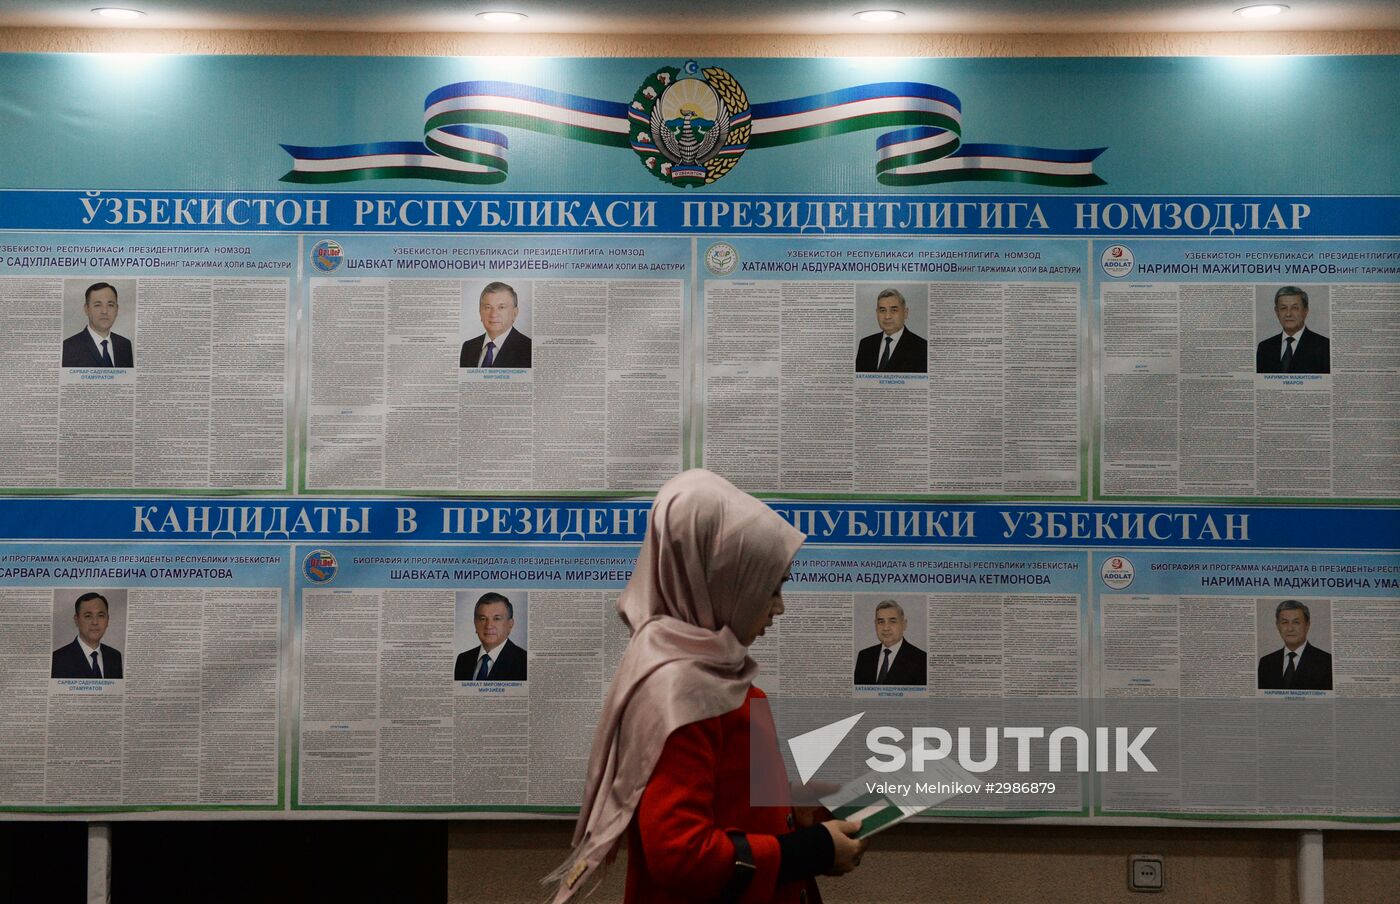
[1318, 528]
[530, 93]
[334, 152]
[1051, 155]
[1368, 218]
[858, 92]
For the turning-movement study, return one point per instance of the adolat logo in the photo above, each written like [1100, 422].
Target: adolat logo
[1117, 572]
[1117, 261]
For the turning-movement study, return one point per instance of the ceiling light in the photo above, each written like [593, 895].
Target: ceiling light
[500, 17]
[879, 15]
[1260, 11]
[114, 12]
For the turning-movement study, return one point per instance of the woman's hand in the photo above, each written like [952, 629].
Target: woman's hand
[807, 807]
[848, 849]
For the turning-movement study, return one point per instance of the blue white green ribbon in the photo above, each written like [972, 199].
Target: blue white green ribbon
[927, 149]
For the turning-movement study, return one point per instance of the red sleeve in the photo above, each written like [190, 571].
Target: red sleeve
[685, 850]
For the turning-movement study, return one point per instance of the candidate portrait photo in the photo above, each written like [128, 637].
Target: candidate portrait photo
[889, 320]
[890, 631]
[89, 632]
[495, 320]
[99, 321]
[1293, 322]
[492, 627]
[1292, 636]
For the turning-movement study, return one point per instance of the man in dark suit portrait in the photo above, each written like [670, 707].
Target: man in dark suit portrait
[1299, 665]
[893, 660]
[1296, 350]
[498, 658]
[894, 349]
[502, 345]
[87, 656]
[96, 345]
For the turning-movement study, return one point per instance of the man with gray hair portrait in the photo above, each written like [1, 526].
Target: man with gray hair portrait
[893, 660]
[1296, 350]
[1298, 666]
[895, 349]
[497, 658]
[502, 345]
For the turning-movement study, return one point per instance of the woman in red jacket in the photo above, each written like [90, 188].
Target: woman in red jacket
[671, 761]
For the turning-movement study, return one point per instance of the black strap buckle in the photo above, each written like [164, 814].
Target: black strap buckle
[744, 870]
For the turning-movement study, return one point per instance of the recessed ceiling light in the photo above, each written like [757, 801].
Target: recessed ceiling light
[115, 12]
[1260, 11]
[879, 15]
[501, 17]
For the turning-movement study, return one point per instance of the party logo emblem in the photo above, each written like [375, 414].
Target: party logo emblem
[319, 566]
[326, 255]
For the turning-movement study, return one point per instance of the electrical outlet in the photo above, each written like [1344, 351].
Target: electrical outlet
[1146, 872]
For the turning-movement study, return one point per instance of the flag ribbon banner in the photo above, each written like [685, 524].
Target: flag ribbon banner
[925, 146]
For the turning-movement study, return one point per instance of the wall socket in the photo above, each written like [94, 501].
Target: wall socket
[1146, 872]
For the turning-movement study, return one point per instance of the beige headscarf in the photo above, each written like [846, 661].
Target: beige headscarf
[710, 562]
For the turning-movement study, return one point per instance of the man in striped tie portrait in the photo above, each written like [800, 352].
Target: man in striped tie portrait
[502, 345]
[498, 658]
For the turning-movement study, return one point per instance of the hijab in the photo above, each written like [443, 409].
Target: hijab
[712, 559]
